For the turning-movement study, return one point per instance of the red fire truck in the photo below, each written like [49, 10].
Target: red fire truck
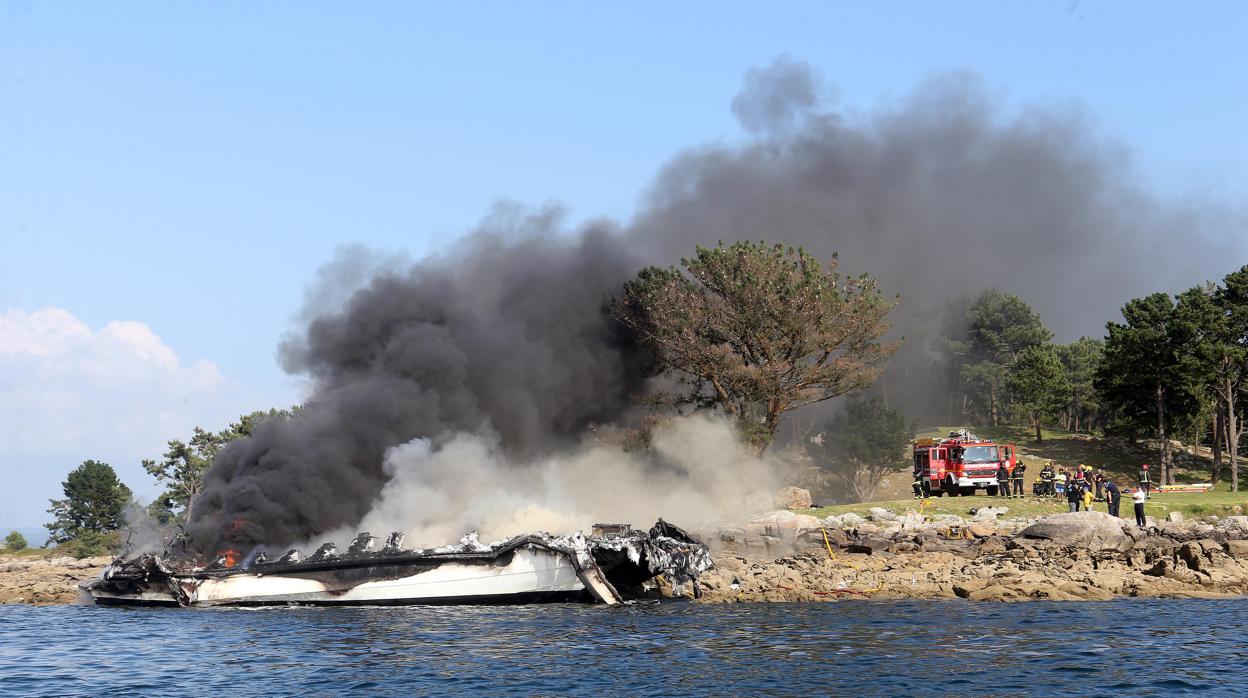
[961, 464]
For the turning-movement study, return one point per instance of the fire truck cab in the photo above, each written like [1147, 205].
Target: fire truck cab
[960, 464]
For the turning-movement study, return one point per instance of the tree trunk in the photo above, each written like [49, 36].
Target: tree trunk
[1165, 476]
[1233, 428]
[1035, 422]
[1215, 470]
[992, 405]
[1076, 420]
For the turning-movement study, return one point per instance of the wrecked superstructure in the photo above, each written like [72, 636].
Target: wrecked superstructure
[612, 566]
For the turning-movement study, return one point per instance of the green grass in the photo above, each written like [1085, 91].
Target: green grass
[1191, 504]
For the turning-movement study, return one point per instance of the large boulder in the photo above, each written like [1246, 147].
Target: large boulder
[793, 498]
[850, 520]
[989, 514]
[782, 523]
[1234, 523]
[882, 514]
[1092, 529]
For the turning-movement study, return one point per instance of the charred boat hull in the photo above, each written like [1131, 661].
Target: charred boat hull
[528, 569]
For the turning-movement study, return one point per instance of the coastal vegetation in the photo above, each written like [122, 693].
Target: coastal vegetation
[758, 330]
[92, 510]
[86, 522]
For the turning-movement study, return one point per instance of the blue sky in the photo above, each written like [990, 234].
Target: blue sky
[172, 175]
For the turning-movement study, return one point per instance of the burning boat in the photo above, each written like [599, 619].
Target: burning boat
[610, 566]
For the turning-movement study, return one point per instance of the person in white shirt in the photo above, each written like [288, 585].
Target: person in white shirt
[1139, 497]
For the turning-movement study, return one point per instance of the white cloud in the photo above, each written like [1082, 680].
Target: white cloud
[69, 392]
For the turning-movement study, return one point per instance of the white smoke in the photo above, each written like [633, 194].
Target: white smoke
[438, 494]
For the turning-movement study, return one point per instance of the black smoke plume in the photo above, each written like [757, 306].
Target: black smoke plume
[939, 195]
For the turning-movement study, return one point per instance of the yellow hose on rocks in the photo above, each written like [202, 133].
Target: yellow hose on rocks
[832, 556]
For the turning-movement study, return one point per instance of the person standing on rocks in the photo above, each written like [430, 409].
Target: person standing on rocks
[1139, 497]
[1113, 496]
[1017, 478]
[1003, 480]
[1074, 496]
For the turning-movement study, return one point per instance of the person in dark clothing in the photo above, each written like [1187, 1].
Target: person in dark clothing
[1003, 480]
[1113, 496]
[1146, 480]
[1074, 496]
[1100, 483]
[921, 490]
[1046, 480]
[1017, 478]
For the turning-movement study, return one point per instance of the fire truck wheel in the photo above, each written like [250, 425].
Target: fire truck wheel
[992, 491]
[950, 488]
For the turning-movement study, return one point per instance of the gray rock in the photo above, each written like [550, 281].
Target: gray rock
[850, 520]
[881, 514]
[912, 520]
[1092, 529]
[1234, 522]
[989, 514]
[1175, 517]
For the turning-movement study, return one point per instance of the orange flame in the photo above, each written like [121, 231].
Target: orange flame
[231, 557]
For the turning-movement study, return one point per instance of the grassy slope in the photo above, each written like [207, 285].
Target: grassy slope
[1189, 503]
[1120, 460]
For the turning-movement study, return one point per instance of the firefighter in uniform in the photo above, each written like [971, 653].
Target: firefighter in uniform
[1046, 481]
[920, 481]
[1146, 482]
[1017, 478]
[1003, 480]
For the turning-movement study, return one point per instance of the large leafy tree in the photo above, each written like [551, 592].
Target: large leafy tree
[985, 336]
[1215, 321]
[1231, 365]
[1080, 360]
[758, 330]
[1037, 383]
[863, 444]
[94, 503]
[181, 468]
[1147, 371]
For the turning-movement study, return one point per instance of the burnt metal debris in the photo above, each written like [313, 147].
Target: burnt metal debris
[613, 566]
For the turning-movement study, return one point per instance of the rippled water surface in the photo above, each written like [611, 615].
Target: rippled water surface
[1126, 647]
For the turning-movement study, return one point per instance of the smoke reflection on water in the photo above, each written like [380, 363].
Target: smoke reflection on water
[1147, 647]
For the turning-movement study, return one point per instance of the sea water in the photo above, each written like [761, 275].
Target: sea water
[1118, 648]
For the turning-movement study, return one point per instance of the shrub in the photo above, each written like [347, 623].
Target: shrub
[15, 541]
[91, 544]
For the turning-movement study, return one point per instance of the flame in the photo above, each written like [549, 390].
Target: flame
[231, 557]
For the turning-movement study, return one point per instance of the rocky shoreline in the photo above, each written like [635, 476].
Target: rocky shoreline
[786, 557]
[45, 581]
[1079, 556]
